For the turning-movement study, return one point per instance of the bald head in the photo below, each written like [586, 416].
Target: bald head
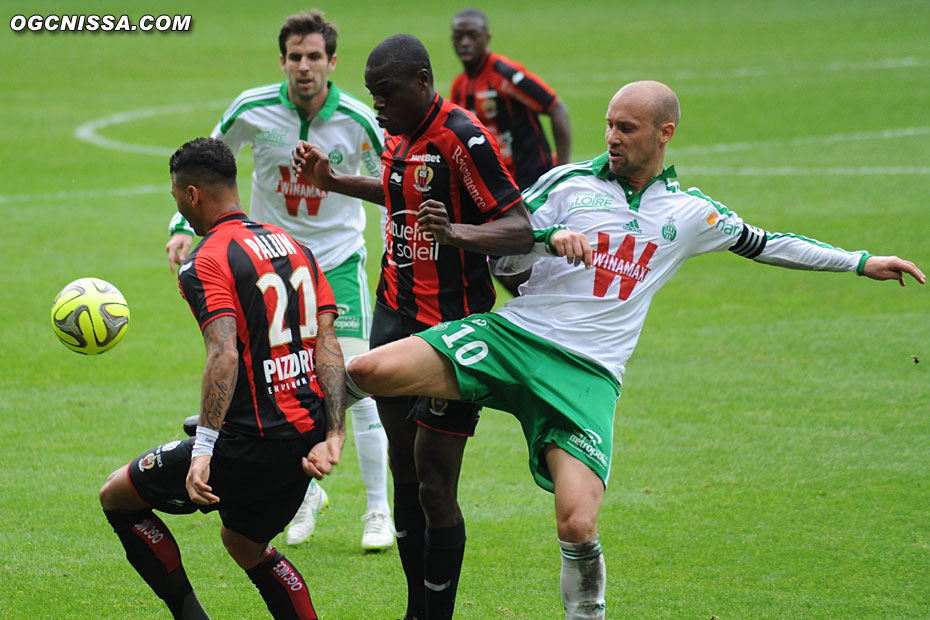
[655, 98]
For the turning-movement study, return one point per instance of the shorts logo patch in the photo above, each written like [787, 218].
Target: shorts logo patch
[147, 461]
[438, 406]
[588, 442]
[171, 445]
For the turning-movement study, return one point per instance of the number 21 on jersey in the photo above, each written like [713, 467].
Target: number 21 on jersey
[301, 281]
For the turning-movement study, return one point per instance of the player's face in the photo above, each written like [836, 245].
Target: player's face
[633, 140]
[307, 67]
[185, 204]
[470, 39]
[400, 101]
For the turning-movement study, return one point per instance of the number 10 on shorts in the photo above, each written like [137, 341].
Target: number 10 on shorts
[469, 353]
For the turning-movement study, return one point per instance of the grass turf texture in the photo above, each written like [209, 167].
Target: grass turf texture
[770, 456]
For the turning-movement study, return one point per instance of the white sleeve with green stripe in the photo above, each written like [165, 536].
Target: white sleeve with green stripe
[180, 225]
[796, 251]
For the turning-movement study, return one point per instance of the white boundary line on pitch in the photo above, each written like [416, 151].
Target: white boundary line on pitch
[87, 132]
[906, 132]
[87, 193]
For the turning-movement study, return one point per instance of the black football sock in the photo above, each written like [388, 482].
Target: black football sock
[410, 524]
[445, 548]
[283, 588]
[153, 552]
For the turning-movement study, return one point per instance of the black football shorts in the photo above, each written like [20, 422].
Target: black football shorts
[260, 482]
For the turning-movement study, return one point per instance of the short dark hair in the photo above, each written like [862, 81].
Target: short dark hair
[204, 160]
[305, 23]
[472, 14]
[404, 51]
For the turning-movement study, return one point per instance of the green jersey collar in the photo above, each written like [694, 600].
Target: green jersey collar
[329, 106]
[601, 167]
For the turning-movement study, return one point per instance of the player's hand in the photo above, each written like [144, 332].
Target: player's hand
[196, 483]
[433, 218]
[178, 247]
[573, 246]
[324, 455]
[891, 268]
[310, 162]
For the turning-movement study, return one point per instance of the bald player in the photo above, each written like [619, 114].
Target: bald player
[555, 356]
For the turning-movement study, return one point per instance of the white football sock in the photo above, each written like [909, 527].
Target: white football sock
[583, 580]
[371, 445]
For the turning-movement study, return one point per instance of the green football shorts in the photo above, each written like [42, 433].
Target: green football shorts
[558, 396]
[349, 282]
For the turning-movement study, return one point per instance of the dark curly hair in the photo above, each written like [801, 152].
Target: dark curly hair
[206, 160]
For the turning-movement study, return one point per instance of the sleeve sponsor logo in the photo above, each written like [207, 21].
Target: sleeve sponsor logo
[467, 180]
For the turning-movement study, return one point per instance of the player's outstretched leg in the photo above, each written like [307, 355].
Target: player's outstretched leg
[150, 547]
[578, 496]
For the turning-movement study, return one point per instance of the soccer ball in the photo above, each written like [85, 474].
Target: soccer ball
[90, 316]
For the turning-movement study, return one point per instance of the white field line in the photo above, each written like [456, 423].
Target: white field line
[88, 131]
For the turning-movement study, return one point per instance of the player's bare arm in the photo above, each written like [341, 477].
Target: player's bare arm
[508, 233]
[219, 382]
[561, 132]
[178, 247]
[310, 162]
[891, 268]
[330, 369]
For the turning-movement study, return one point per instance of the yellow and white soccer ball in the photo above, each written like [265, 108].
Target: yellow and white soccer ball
[90, 316]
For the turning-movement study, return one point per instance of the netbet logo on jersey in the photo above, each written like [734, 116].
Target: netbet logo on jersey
[297, 190]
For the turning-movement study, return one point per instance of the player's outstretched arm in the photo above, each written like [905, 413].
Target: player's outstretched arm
[508, 233]
[891, 268]
[310, 162]
[330, 369]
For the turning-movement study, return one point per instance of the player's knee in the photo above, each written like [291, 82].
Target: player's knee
[577, 525]
[368, 372]
[108, 495]
[247, 554]
[439, 498]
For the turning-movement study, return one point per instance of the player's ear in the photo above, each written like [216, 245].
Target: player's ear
[666, 131]
[281, 59]
[332, 61]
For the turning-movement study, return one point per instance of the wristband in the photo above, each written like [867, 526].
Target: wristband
[203, 441]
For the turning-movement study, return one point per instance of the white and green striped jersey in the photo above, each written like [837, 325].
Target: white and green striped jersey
[330, 224]
[639, 240]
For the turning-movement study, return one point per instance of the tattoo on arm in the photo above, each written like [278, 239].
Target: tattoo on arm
[330, 370]
[220, 371]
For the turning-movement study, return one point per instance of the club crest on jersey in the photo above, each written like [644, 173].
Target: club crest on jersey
[423, 176]
[147, 461]
[335, 156]
[669, 232]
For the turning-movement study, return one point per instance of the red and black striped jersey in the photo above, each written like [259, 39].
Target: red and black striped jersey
[273, 287]
[508, 99]
[452, 158]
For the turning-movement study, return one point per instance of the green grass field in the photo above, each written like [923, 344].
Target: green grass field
[771, 451]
